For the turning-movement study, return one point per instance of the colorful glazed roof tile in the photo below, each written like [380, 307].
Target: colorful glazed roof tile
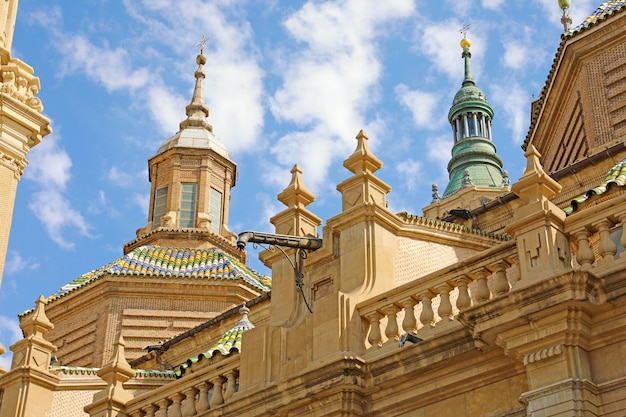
[605, 9]
[229, 342]
[616, 176]
[177, 263]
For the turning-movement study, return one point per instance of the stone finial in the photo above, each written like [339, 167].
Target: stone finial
[117, 364]
[535, 184]
[566, 19]
[363, 187]
[245, 321]
[296, 194]
[362, 159]
[466, 181]
[115, 372]
[506, 182]
[436, 197]
[37, 324]
[34, 351]
[296, 219]
[197, 111]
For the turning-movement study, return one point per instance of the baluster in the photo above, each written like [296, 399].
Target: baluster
[188, 408]
[231, 382]
[409, 323]
[150, 410]
[163, 404]
[391, 331]
[584, 255]
[501, 283]
[174, 409]
[607, 247]
[464, 299]
[481, 291]
[622, 220]
[203, 397]
[218, 397]
[427, 316]
[375, 337]
[445, 306]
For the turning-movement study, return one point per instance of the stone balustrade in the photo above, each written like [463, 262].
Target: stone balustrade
[597, 234]
[435, 299]
[191, 395]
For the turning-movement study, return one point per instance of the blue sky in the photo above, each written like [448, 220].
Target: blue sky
[287, 82]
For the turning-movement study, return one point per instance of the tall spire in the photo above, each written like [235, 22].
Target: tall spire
[474, 161]
[466, 55]
[197, 110]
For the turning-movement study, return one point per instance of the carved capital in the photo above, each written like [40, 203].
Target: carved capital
[16, 165]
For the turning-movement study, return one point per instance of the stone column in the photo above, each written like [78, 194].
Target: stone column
[22, 126]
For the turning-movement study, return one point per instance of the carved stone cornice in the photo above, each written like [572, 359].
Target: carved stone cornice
[16, 165]
[543, 354]
[17, 81]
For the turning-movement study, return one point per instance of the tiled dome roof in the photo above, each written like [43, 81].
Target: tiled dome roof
[177, 263]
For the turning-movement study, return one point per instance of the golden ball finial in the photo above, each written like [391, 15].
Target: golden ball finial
[465, 43]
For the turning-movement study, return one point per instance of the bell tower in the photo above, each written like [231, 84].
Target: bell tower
[475, 170]
[191, 178]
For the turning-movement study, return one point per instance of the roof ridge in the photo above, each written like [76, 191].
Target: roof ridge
[449, 226]
[586, 24]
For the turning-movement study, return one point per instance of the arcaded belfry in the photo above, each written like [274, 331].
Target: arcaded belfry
[475, 169]
[22, 124]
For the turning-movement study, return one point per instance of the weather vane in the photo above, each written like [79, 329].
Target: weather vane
[464, 30]
[203, 41]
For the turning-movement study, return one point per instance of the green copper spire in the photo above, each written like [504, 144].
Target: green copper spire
[474, 160]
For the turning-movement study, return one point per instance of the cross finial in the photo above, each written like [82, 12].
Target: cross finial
[201, 44]
[464, 30]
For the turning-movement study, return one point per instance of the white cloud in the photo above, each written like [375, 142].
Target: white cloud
[15, 263]
[109, 67]
[438, 150]
[513, 99]
[330, 82]
[410, 173]
[515, 56]
[124, 179]
[492, 4]
[50, 169]
[234, 91]
[436, 43]
[165, 106]
[233, 85]
[424, 106]
[313, 151]
[234, 79]
[142, 201]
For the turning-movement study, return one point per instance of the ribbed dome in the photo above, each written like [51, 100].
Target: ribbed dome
[469, 93]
